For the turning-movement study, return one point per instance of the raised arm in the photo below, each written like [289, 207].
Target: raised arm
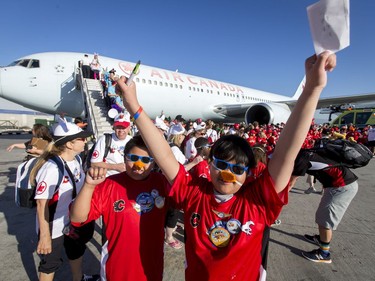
[281, 165]
[157, 145]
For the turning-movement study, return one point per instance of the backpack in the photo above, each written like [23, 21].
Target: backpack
[24, 190]
[347, 153]
[87, 161]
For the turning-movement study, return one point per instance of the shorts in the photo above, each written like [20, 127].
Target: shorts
[51, 263]
[333, 205]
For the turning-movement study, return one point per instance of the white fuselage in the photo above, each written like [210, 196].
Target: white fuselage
[51, 88]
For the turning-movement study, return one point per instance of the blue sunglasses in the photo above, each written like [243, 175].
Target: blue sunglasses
[135, 158]
[234, 168]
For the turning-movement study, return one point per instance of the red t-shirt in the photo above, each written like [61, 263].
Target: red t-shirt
[202, 169]
[134, 226]
[224, 240]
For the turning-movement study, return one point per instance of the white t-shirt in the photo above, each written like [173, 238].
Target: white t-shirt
[47, 179]
[180, 157]
[115, 154]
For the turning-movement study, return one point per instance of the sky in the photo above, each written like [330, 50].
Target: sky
[257, 44]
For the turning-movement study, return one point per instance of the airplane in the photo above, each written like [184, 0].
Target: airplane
[46, 82]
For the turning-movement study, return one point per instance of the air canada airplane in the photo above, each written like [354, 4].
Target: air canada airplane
[46, 82]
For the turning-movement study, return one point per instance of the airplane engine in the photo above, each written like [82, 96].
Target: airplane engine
[267, 113]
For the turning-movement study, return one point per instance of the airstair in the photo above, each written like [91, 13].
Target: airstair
[96, 108]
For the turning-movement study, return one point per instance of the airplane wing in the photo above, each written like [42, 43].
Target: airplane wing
[326, 102]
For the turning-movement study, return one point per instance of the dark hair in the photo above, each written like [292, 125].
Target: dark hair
[41, 131]
[136, 141]
[233, 147]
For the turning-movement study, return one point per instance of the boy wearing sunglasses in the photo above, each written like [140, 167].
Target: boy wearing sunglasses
[224, 220]
[133, 207]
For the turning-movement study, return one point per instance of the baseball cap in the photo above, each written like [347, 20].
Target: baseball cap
[159, 123]
[176, 129]
[66, 131]
[122, 119]
[112, 70]
[200, 126]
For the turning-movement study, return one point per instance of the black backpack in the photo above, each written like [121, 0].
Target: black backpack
[346, 153]
[25, 191]
[87, 161]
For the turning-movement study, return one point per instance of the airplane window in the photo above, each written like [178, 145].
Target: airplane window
[202, 90]
[155, 82]
[143, 81]
[193, 88]
[161, 83]
[171, 85]
[180, 86]
[137, 79]
[149, 81]
[23, 63]
[165, 84]
[14, 63]
[189, 88]
[34, 64]
[175, 85]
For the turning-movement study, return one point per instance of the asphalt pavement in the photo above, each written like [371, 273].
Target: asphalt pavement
[352, 247]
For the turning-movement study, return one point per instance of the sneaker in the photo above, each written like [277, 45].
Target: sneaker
[317, 256]
[310, 190]
[314, 239]
[95, 277]
[276, 223]
[175, 244]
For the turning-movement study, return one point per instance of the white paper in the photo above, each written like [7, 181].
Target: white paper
[329, 25]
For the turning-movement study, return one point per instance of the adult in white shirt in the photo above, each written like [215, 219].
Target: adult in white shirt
[55, 190]
[198, 131]
[114, 161]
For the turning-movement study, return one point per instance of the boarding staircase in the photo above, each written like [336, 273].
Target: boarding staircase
[96, 108]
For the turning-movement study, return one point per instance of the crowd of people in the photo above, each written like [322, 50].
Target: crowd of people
[143, 173]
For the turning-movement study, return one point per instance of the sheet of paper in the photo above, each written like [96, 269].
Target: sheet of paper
[329, 25]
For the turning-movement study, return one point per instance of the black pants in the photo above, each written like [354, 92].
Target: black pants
[86, 71]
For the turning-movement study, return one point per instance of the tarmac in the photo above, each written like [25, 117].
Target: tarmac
[352, 247]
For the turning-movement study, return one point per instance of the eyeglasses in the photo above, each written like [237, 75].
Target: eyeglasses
[234, 168]
[135, 158]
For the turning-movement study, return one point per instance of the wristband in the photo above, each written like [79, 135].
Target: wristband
[139, 111]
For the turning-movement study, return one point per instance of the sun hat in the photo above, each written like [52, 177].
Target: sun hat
[66, 131]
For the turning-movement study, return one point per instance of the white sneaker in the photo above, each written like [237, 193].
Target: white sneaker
[310, 190]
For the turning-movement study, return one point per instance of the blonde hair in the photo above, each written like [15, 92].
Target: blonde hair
[50, 151]
[176, 139]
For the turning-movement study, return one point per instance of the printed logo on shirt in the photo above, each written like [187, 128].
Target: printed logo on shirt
[66, 179]
[195, 219]
[42, 186]
[95, 154]
[146, 202]
[119, 205]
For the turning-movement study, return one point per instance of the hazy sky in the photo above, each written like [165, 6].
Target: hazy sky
[258, 44]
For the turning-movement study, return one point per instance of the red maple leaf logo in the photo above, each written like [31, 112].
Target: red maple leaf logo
[42, 186]
[95, 154]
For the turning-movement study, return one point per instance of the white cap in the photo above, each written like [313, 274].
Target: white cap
[65, 131]
[159, 123]
[122, 119]
[176, 129]
[200, 126]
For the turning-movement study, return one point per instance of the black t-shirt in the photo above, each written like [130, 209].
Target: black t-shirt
[325, 170]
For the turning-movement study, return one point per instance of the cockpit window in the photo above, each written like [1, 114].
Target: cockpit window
[14, 63]
[34, 64]
[26, 63]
